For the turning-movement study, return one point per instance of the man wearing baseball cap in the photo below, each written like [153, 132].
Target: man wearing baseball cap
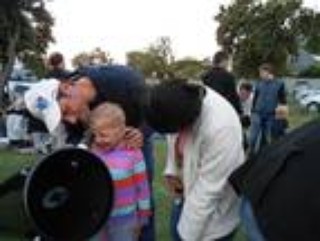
[53, 102]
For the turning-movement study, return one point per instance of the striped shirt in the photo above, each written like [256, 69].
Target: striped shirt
[132, 194]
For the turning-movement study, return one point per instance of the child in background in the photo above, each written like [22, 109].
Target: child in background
[246, 98]
[269, 93]
[131, 209]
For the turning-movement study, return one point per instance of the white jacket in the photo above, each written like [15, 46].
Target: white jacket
[213, 150]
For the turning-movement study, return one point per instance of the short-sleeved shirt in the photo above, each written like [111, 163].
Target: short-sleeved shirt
[268, 95]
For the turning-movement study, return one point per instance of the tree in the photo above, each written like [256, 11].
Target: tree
[188, 68]
[25, 29]
[312, 42]
[144, 62]
[255, 31]
[95, 57]
[155, 61]
[158, 61]
[81, 60]
[35, 62]
[98, 56]
[312, 72]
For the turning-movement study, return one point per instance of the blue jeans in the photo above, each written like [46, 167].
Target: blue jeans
[249, 222]
[261, 131]
[148, 231]
[175, 216]
[176, 210]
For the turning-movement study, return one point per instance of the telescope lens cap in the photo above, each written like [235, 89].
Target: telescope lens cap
[69, 195]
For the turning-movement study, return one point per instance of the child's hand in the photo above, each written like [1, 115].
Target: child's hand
[174, 185]
[133, 138]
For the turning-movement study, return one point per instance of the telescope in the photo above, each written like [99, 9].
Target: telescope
[66, 196]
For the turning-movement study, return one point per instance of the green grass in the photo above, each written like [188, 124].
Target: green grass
[11, 162]
[299, 115]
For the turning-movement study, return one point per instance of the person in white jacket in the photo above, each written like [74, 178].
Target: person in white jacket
[209, 142]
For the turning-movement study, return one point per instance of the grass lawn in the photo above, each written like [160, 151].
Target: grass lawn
[10, 162]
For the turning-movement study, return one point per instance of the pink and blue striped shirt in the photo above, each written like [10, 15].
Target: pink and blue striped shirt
[132, 193]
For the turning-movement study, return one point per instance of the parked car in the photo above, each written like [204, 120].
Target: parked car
[311, 102]
[301, 85]
[305, 93]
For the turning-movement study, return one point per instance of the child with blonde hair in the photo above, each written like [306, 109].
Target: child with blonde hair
[131, 209]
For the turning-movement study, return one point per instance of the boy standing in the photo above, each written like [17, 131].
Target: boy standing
[269, 94]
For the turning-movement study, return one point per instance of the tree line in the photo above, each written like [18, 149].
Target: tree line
[25, 32]
[251, 31]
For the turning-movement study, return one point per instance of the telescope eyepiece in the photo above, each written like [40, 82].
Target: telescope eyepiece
[55, 198]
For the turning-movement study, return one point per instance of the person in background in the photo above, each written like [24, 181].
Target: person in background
[209, 144]
[56, 67]
[269, 94]
[246, 98]
[131, 209]
[221, 80]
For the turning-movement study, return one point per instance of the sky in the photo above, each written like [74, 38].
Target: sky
[120, 26]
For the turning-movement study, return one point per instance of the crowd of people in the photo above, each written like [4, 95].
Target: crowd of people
[211, 128]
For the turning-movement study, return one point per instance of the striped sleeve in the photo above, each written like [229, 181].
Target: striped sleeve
[142, 189]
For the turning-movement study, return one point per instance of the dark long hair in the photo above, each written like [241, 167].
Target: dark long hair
[173, 105]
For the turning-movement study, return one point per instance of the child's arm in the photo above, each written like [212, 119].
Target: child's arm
[142, 189]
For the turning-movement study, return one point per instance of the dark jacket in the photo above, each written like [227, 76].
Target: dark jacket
[224, 83]
[121, 85]
[282, 184]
